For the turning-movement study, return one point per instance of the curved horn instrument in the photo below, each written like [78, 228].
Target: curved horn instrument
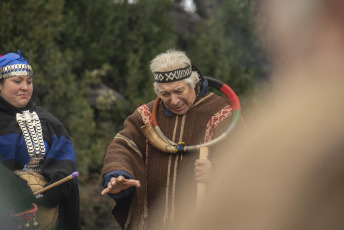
[161, 142]
[156, 141]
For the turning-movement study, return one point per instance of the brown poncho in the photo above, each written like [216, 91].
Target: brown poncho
[163, 176]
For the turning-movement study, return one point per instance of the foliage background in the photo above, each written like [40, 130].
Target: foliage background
[91, 64]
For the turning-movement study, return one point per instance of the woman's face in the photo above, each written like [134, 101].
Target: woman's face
[17, 90]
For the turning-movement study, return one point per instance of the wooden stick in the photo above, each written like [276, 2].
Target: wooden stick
[71, 176]
[203, 154]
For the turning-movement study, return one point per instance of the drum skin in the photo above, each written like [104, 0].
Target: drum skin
[46, 217]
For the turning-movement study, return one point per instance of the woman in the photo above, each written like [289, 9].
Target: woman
[32, 139]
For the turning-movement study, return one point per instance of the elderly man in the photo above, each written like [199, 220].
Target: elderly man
[146, 183]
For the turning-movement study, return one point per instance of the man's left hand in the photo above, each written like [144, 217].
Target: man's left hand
[202, 170]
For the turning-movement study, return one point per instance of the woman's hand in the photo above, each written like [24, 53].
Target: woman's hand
[117, 185]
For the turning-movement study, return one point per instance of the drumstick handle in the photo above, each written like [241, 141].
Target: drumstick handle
[203, 154]
[67, 178]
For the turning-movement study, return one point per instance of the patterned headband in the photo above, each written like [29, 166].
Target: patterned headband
[15, 70]
[175, 75]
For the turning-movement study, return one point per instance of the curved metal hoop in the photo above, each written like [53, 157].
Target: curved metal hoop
[153, 133]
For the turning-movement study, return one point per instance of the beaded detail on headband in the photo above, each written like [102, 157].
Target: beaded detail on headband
[15, 70]
[175, 75]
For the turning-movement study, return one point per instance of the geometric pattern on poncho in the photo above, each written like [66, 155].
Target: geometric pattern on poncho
[215, 121]
[146, 114]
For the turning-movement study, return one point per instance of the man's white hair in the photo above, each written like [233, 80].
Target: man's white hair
[172, 60]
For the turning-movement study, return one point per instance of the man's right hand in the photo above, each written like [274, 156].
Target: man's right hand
[117, 185]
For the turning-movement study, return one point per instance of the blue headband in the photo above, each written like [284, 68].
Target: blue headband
[13, 64]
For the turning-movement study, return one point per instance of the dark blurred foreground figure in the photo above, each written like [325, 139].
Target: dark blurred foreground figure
[35, 151]
[187, 113]
[288, 173]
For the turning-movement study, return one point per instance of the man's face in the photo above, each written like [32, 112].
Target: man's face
[177, 96]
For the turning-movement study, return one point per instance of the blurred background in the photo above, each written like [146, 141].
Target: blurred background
[91, 64]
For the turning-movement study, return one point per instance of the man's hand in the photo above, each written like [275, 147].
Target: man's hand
[117, 185]
[202, 170]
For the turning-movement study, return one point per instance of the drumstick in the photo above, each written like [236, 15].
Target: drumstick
[67, 178]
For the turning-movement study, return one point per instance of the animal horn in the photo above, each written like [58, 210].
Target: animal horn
[156, 141]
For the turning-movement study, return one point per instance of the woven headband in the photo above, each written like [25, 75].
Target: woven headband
[175, 75]
[15, 70]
